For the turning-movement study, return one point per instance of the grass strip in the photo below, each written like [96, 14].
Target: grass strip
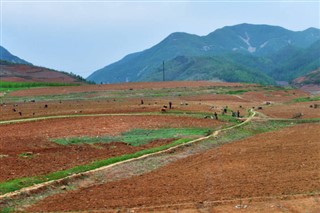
[19, 183]
[236, 92]
[10, 85]
[137, 137]
[306, 99]
[7, 210]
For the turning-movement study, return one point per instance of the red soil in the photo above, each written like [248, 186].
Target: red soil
[274, 96]
[48, 156]
[284, 162]
[121, 106]
[288, 111]
[75, 107]
[122, 86]
[313, 89]
[29, 73]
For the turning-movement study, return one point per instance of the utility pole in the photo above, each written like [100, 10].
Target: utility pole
[163, 75]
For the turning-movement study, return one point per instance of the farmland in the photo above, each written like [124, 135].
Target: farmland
[110, 148]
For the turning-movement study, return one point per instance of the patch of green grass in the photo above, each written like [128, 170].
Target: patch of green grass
[137, 137]
[228, 118]
[306, 99]
[26, 155]
[5, 84]
[7, 210]
[7, 87]
[16, 184]
[236, 92]
[310, 120]
[276, 88]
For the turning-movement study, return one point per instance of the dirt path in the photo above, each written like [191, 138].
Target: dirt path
[71, 116]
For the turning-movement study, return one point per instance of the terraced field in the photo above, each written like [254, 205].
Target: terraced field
[109, 148]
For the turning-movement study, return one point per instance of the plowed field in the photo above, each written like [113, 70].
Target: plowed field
[279, 163]
[290, 110]
[33, 137]
[254, 174]
[123, 86]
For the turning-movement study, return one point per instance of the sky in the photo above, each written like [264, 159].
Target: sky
[84, 36]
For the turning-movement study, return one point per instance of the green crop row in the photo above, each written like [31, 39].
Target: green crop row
[5, 84]
[307, 99]
[137, 137]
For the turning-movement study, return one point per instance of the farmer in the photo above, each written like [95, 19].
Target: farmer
[225, 109]
[215, 115]
[233, 114]
[170, 105]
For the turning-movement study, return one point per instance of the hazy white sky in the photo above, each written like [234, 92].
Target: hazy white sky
[83, 36]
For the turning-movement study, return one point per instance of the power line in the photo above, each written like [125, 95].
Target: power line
[163, 74]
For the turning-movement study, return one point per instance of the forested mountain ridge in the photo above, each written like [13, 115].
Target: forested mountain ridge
[276, 53]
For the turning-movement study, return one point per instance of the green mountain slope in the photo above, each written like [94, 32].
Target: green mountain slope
[207, 68]
[252, 46]
[297, 63]
[260, 39]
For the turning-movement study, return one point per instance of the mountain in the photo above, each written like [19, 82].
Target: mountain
[296, 62]
[7, 56]
[262, 48]
[212, 68]
[13, 72]
[261, 40]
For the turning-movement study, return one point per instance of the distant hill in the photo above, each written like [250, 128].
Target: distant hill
[311, 78]
[13, 72]
[296, 62]
[7, 56]
[244, 53]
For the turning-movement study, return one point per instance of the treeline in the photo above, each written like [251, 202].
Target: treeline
[78, 77]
